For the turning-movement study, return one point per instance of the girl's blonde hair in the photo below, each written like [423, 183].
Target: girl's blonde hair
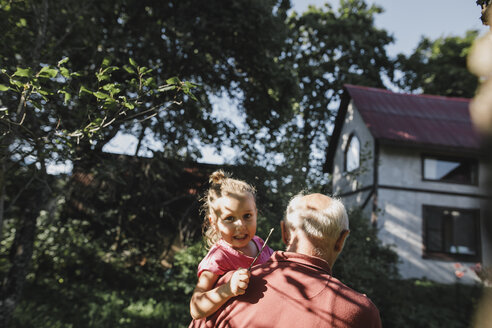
[221, 184]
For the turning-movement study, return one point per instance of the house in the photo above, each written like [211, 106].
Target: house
[415, 166]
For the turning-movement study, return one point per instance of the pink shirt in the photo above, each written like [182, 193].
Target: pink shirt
[223, 258]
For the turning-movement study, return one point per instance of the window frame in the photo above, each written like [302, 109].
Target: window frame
[448, 256]
[345, 153]
[474, 163]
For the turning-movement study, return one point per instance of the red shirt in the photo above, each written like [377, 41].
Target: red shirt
[223, 258]
[294, 290]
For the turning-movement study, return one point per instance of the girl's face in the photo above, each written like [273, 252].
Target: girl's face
[236, 219]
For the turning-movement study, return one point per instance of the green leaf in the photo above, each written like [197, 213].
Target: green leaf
[101, 95]
[67, 96]
[22, 22]
[109, 69]
[109, 87]
[173, 80]
[44, 92]
[132, 62]
[148, 81]
[102, 77]
[4, 87]
[128, 69]
[145, 70]
[165, 88]
[63, 61]
[191, 84]
[105, 62]
[17, 83]
[112, 88]
[23, 72]
[36, 104]
[48, 72]
[85, 90]
[64, 72]
[105, 74]
[191, 95]
[129, 105]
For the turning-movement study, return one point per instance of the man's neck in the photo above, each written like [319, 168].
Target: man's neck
[304, 246]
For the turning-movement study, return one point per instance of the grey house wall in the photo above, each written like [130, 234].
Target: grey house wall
[400, 220]
[345, 184]
[399, 215]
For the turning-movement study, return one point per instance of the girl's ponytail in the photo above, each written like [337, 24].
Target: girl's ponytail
[218, 177]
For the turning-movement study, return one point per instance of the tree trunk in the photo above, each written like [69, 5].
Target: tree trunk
[22, 247]
[20, 256]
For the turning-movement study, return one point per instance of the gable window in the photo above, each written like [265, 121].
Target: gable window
[451, 233]
[454, 170]
[352, 154]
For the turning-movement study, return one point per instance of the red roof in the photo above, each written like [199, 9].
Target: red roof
[420, 119]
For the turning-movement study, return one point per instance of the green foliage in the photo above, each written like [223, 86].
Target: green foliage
[439, 67]
[417, 303]
[327, 49]
[122, 55]
[366, 265]
[101, 268]
[365, 260]
[36, 93]
[82, 285]
[170, 39]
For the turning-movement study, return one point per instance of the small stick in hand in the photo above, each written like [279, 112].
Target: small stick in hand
[261, 250]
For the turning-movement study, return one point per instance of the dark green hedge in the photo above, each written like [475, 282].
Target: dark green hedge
[78, 286]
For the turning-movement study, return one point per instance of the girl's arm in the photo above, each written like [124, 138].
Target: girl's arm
[205, 300]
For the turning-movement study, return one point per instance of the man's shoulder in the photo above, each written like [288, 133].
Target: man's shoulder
[357, 304]
[354, 295]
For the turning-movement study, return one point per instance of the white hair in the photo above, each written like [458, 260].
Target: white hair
[326, 223]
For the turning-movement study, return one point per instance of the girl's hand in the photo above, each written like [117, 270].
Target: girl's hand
[239, 282]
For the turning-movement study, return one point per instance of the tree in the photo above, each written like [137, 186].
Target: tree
[54, 110]
[32, 138]
[326, 49]
[439, 67]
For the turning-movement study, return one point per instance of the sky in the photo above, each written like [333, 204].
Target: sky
[406, 20]
[409, 20]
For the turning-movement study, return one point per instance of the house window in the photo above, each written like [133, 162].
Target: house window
[352, 154]
[451, 233]
[443, 169]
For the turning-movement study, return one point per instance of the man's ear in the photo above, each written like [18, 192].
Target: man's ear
[341, 240]
[285, 232]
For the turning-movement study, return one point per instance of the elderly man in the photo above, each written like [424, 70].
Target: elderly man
[296, 288]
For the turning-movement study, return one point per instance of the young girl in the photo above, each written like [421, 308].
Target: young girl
[230, 227]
